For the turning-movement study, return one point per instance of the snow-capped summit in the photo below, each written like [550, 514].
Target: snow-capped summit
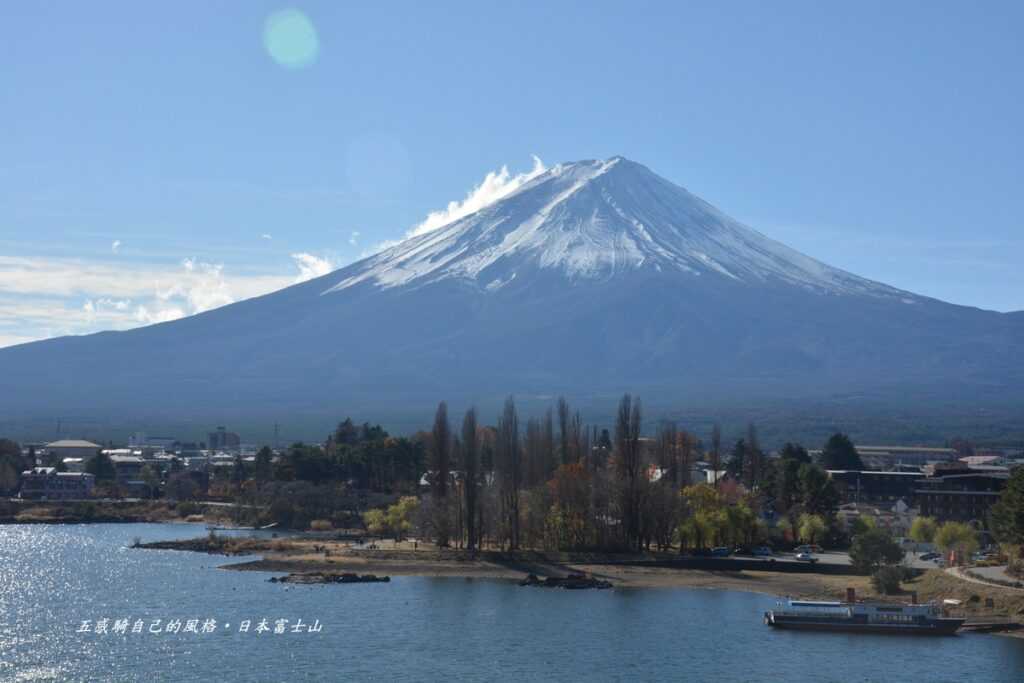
[592, 220]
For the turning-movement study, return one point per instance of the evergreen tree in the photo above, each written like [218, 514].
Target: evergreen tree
[818, 494]
[264, 471]
[839, 453]
[737, 463]
[873, 549]
[794, 451]
[101, 466]
[1007, 515]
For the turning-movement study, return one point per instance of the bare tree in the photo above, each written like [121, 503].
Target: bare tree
[666, 449]
[440, 444]
[470, 469]
[577, 434]
[687, 446]
[533, 456]
[752, 469]
[508, 455]
[627, 448]
[548, 446]
[563, 430]
[716, 451]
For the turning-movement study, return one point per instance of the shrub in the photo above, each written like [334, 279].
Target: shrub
[85, 510]
[957, 536]
[187, 509]
[874, 549]
[321, 525]
[887, 579]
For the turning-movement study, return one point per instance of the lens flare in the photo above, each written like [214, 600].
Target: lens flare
[290, 39]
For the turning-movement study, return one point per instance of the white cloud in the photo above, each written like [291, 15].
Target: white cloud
[353, 239]
[49, 277]
[105, 307]
[161, 314]
[115, 246]
[204, 286]
[42, 298]
[494, 186]
[267, 236]
[311, 266]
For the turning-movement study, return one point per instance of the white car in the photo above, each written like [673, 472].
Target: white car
[806, 557]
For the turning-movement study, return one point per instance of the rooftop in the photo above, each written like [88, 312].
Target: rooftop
[72, 443]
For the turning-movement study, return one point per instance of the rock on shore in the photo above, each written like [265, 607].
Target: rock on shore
[571, 582]
[324, 577]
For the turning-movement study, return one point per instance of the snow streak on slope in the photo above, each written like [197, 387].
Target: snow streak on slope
[595, 220]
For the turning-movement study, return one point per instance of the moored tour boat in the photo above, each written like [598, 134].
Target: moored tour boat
[862, 617]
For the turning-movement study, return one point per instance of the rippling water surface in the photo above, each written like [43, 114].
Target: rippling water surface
[54, 577]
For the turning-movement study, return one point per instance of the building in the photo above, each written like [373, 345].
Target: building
[74, 464]
[959, 493]
[894, 457]
[127, 465]
[71, 448]
[887, 457]
[868, 486]
[46, 483]
[895, 517]
[143, 440]
[223, 440]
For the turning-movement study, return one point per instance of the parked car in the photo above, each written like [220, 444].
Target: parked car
[930, 556]
[721, 551]
[763, 551]
[808, 548]
[806, 557]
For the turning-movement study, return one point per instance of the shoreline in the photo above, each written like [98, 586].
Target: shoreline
[805, 586]
[107, 512]
[307, 556]
[304, 557]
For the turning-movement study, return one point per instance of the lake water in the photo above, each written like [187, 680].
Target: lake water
[52, 578]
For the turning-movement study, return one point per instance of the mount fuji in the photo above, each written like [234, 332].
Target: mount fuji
[590, 279]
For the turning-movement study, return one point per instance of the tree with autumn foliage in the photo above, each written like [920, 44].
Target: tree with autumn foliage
[570, 513]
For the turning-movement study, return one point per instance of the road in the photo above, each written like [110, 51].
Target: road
[843, 558]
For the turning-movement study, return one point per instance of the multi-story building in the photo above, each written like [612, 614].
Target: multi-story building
[894, 457]
[960, 494]
[46, 483]
[223, 440]
[71, 448]
[867, 486]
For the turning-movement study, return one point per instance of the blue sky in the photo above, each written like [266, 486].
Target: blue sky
[156, 161]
